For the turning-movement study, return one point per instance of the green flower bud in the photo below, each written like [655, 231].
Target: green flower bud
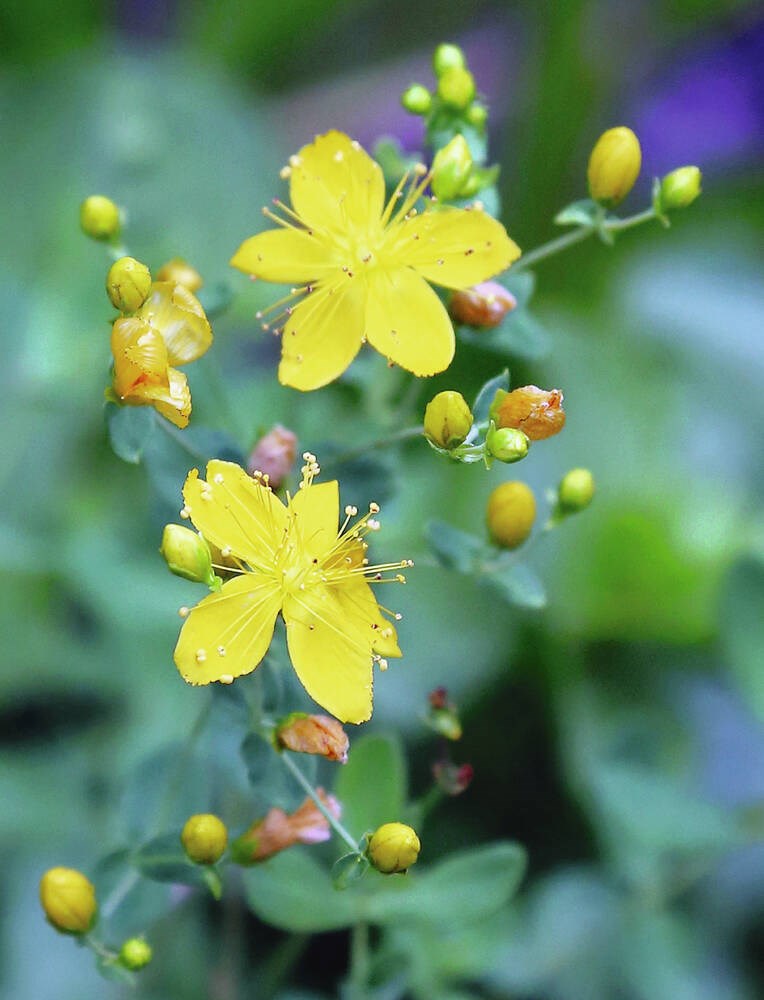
[679, 189]
[451, 168]
[447, 419]
[204, 838]
[417, 99]
[99, 218]
[187, 554]
[614, 165]
[128, 284]
[477, 116]
[510, 514]
[394, 847]
[575, 491]
[447, 57]
[507, 444]
[456, 87]
[135, 953]
[68, 899]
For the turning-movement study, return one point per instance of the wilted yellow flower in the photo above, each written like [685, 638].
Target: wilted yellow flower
[279, 830]
[180, 272]
[314, 734]
[169, 329]
[292, 560]
[363, 267]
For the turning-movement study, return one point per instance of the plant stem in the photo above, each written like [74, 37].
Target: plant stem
[310, 790]
[383, 442]
[578, 235]
[359, 960]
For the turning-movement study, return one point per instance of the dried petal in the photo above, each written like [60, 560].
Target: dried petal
[538, 413]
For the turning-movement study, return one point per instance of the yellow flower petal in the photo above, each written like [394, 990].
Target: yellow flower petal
[228, 633]
[235, 513]
[454, 247]
[140, 355]
[323, 334]
[180, 319]
[385, 641]
[284, 255]
[316, 511]
[407, 322]
[336, 186]
[173, 401]
[330, 638]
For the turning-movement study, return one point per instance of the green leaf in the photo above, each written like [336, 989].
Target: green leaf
[162, 859]
[465, 887]
[130, 428]
[216, 298]
[519, 334]
[742, 629]
[111, 969]
[522, 284]
[578, 213]
[293, 892]
[453, 548]
[348, 869]
[485, 396]
[372, 785]
[517, 584]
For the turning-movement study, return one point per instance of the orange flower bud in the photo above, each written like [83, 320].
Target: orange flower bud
[279, 830]
[538, 413]
[180, 272]
[274, 455]
[484, 306]
[316, 734]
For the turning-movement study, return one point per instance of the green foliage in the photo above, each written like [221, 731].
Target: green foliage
[372, 785]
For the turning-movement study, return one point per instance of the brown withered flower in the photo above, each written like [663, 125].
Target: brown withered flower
[484, 305]
[279, 830]
[316, 734]
[274, 455]
[538, 413]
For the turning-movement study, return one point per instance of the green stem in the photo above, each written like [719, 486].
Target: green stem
[176, 781]
[113, 901]
[578, 235]
[310, 790]
[359, 960]
[99, 948]
[406, 434]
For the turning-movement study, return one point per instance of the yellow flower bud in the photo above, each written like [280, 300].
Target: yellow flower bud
[679, 189]
[614, 165]
[179, 272]
[68, 899]
[507, 444]
[99, 218]
[447, 56]
[456, 87]
[450, 168]
[485, 305]
[187, 554]
[394, 847]
[128, 284]
[204, 838]
[135, 953]
[510, 514]
[477, 116]
[576, 490]
[447, 419]
[417, 99]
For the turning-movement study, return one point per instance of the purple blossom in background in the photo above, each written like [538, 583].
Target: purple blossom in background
[708, 110]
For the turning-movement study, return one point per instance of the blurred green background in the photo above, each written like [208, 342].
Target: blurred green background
[618, 733]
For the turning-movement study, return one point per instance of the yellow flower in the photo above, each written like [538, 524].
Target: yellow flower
[363, 267]
[291, 559]
[169, 329]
